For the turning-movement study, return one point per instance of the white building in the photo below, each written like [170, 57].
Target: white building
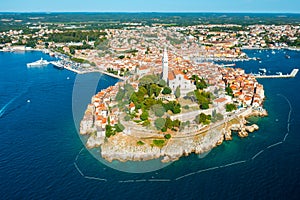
[175, 78]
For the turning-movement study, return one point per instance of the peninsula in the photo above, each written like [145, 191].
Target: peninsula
[170, 110]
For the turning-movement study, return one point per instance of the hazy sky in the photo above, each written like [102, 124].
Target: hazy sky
[151, 5]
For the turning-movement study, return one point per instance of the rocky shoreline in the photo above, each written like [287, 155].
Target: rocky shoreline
[124, 147]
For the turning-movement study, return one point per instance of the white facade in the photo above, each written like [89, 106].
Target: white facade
[175, 78]
[165, 66]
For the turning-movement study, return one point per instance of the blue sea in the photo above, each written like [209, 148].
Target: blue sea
[43, 157]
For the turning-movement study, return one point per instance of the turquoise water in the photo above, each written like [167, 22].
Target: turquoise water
[39, 143]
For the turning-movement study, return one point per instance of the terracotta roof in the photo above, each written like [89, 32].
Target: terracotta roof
[171, 76]
[131, 105]
[247, 98]
[220, 100]
[173, 73]
[143, 68]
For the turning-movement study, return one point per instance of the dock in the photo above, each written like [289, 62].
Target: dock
[228, 65]
[291, 75]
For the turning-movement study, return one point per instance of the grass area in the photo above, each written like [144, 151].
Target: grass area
[183, 101]
[140, 143]
[194, 108]
[159, 143]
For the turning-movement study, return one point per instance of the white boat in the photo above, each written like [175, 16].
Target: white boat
[273, 52]
[263, 70]
[38, 63]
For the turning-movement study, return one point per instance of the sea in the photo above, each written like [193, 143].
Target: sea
[42, 155]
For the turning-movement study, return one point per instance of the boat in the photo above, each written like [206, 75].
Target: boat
[287, 56]
[263, 70]
[57, 64]
[273, 52]
[38, 63]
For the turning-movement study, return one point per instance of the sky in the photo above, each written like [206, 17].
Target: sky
[277, 6]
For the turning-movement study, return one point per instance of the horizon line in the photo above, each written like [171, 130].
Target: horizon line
[223, 12]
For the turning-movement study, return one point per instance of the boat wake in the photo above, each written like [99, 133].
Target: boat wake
[4, 109]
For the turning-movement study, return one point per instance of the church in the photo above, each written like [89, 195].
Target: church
[175, 78]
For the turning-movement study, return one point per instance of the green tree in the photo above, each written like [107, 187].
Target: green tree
[162, 83]
[145, 81]
[72, 51]
[200, 83]
[169, 123]
[230, 107]
[186, 107]
[129, 90]
[167, 136]
[120, 95]
[229, 91]
[204, 106]
[176, 109]
[202, 118]
[119, 127]
[155, 89]
[146, 123]
[109, 131]
[140, 142]
[177, 92]
[158, 110]
[159, 143]
[144, 116]
[127, 118]
[176, 123]
[149, 102]
[159, 123]
[164, 129]
[167, 90]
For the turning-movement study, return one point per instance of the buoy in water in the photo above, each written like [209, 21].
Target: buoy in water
[28, 101]
[68, 78]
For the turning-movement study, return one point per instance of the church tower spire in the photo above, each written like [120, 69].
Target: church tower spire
[165, 66]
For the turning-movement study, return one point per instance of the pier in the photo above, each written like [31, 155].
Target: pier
[228, 65]
[291, 75]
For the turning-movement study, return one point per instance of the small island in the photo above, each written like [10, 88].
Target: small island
[172, 111]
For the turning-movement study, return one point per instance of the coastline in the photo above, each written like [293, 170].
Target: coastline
[99, 71]
[123, 146]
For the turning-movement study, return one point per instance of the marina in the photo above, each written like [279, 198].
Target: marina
[57, 64]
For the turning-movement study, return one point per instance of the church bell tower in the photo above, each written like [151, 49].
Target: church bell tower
[165, 66]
